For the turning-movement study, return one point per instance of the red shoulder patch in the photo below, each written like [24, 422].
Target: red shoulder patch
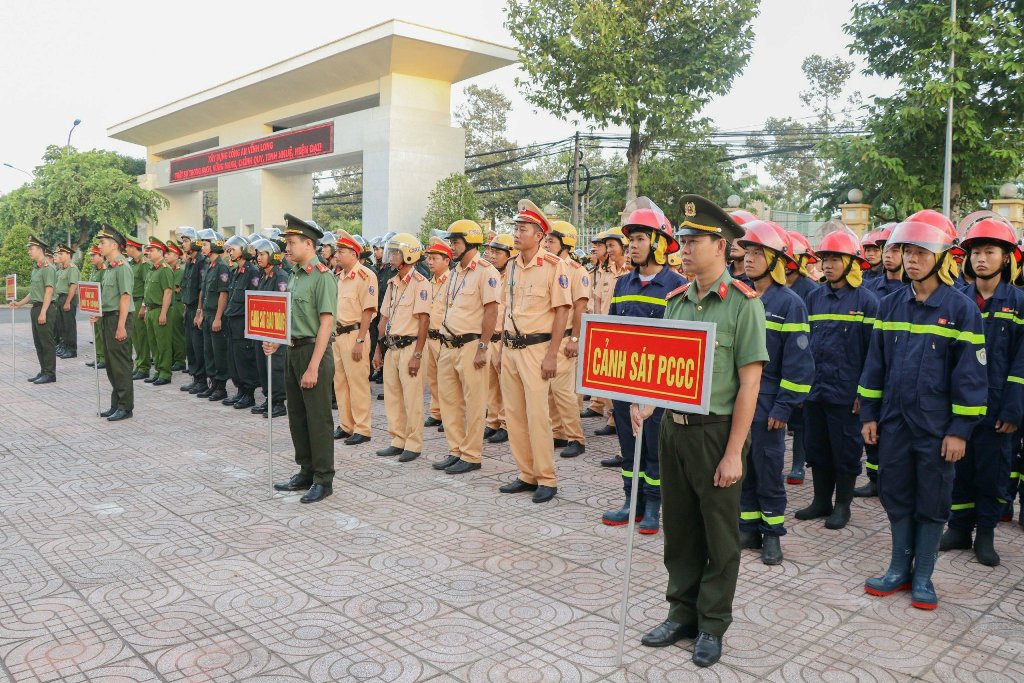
[362, 273]
[551, 258]
[573, 264]
[751, 294]
[322, 268]
[677, 290]
[484, 262]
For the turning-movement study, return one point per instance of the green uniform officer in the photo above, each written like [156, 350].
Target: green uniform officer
[98, 266]
[702, 456]
[118, 320]
[140, 341]
[177, 314]
[44, 312]
[67, 301]
[308, 367]
[155, 313]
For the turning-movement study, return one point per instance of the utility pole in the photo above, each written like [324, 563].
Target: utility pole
[576, 180]
[947, 175]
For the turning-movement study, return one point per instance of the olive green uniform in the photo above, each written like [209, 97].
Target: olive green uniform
[44, 275]
[176, 317]
[118, 279]
[701, 525]
[314, 291]
[215, 344]
[67, 327]
[140, 340]
[97, 330]
[158, 337]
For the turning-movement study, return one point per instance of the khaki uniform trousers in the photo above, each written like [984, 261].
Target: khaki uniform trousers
[527, 417]
[563, 403]
[495, 406]
[352, 385]
[403, 400]
[463, 401]
[430, 353]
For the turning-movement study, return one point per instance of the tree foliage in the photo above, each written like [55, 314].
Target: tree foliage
[899, 163]
[650, 66]
[13, 254]
[491, 158]
[451, 199]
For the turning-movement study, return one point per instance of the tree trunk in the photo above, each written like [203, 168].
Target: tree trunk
[633, 162]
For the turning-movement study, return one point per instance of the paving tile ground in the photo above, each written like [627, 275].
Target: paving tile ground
[153, 550]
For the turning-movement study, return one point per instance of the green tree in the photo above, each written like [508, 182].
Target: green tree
[14, 254]
[491, 157]
[899, 163]
[453, 198]
[338, 197]
[650, 66]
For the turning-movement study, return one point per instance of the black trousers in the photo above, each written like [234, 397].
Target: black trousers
[241, 356]
[194, 345]
[119, 362]
[215, 348]
[68, 328]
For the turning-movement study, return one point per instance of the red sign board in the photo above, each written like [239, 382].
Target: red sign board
[12, 287]
[89, 297]
[664, 363]
[286, 146]
[268, 316]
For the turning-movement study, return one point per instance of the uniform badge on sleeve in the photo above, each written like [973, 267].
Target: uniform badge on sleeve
[371, 289]
[563, 280]
[423, 294]
[586, 281]
[282, 287]
[254, 282]
[223, 277]
[492, 282]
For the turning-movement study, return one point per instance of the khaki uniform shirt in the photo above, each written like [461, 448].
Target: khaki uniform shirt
[406, 297]
[438, 285]
[534, 290]
[579, 282]
[468, 290]
[357, 292]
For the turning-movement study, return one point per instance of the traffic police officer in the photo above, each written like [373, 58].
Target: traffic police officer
[241, 356]
[500, 250]
[44, 312]
[309, 366]
[468, 319]
[356, 306]
[642, 294]
[66, 290]
[404, 320]
[537, 306]
[117, 305]
[213, 298]
[191, 284]
[923, 391]
[702, 455]
[140, 340]
[98, 266]
[598, 271]
[842, 314]
[175, 319]
[155, 312]
[438, 257]
[785, 382]
[616, 266]
[272, 279]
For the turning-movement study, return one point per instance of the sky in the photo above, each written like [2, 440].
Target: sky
[109, 61]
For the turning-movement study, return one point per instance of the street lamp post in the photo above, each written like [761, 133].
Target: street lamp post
[18, 169]
[947, 174]
[67, 147]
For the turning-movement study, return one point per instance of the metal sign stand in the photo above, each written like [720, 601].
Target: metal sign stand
[96, 366]
[14, 351]
[633, 495]
[270, 422]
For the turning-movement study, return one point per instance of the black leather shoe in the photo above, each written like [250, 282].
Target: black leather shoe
[101, 366]
[91, 364]
[380, 397]
[34, 377]
[187, 387]
[668, 633]
[590, 413]
[280, 411]
[340, 433]
[138, 375]
[440, 428]
[296, 483]
[119, 415]
[561, 443]
[517, 486]
[45, 379]
[356, 439]
[544, 494]
[217, 395]
[771, 550]
[431, 422]
[408, 456]
[461, 467]
[607, 430]
[707, 650]
[573, 449]
[161, 382]
[389, 451]
[260, 407]
[246, 401]
[177, 367]
[489, 432]
[316, 493]
[108, 412]
[614, 461]
[232, 400]
[446, 463]
[69, 354]
[203, 390]
[150, 380]
[500, 436]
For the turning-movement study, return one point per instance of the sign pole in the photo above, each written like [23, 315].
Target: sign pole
[634, 493]
[96, 366]
[270, 422]
[14, 351]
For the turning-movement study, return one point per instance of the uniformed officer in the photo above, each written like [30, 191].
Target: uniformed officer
[468, 319]
[537, 307]
[500, 251]
[923, 391]
[702, 456]
[213, 297]
[438, 257]
[272, 279]
[191, 284]
[155, 313]
[384, 274]
[117, 305]
[140, 340]
[176, 316]
[872, 254]
[642, 293]
[598, 272]
[616, 265]
[66, 290]
[404, 320]
[44, 313]
[785, 383]
[241, 355]
[98, 266]
[982, 474]
[842, 314]
[309, 365]
[356, 306]
[328, 250]
[564, 402]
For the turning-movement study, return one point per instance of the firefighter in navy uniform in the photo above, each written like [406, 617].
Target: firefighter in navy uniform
[923, 391]
[272, 279]
[242, 358]
[842, 314]
[785, 382]
[642, 293]
[873, 255]
[982, 474]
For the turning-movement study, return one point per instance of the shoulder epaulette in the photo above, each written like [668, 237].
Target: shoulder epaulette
[551, 258]
[484, 262]
[740, 285]
[677, 290]
[322, 268]
[362, 273]
[417, 276]
[574, 264]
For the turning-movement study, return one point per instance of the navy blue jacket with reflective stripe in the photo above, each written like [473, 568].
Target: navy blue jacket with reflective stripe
[926, 364]
[803, 286]
[883, 286]
[1003, 319]
[841, 321]
[634, 298]
[787, 376]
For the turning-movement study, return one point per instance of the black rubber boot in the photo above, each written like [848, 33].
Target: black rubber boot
[844, 496]
[824, 484]
[984, 547]
[220, 391]
[955, 539]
